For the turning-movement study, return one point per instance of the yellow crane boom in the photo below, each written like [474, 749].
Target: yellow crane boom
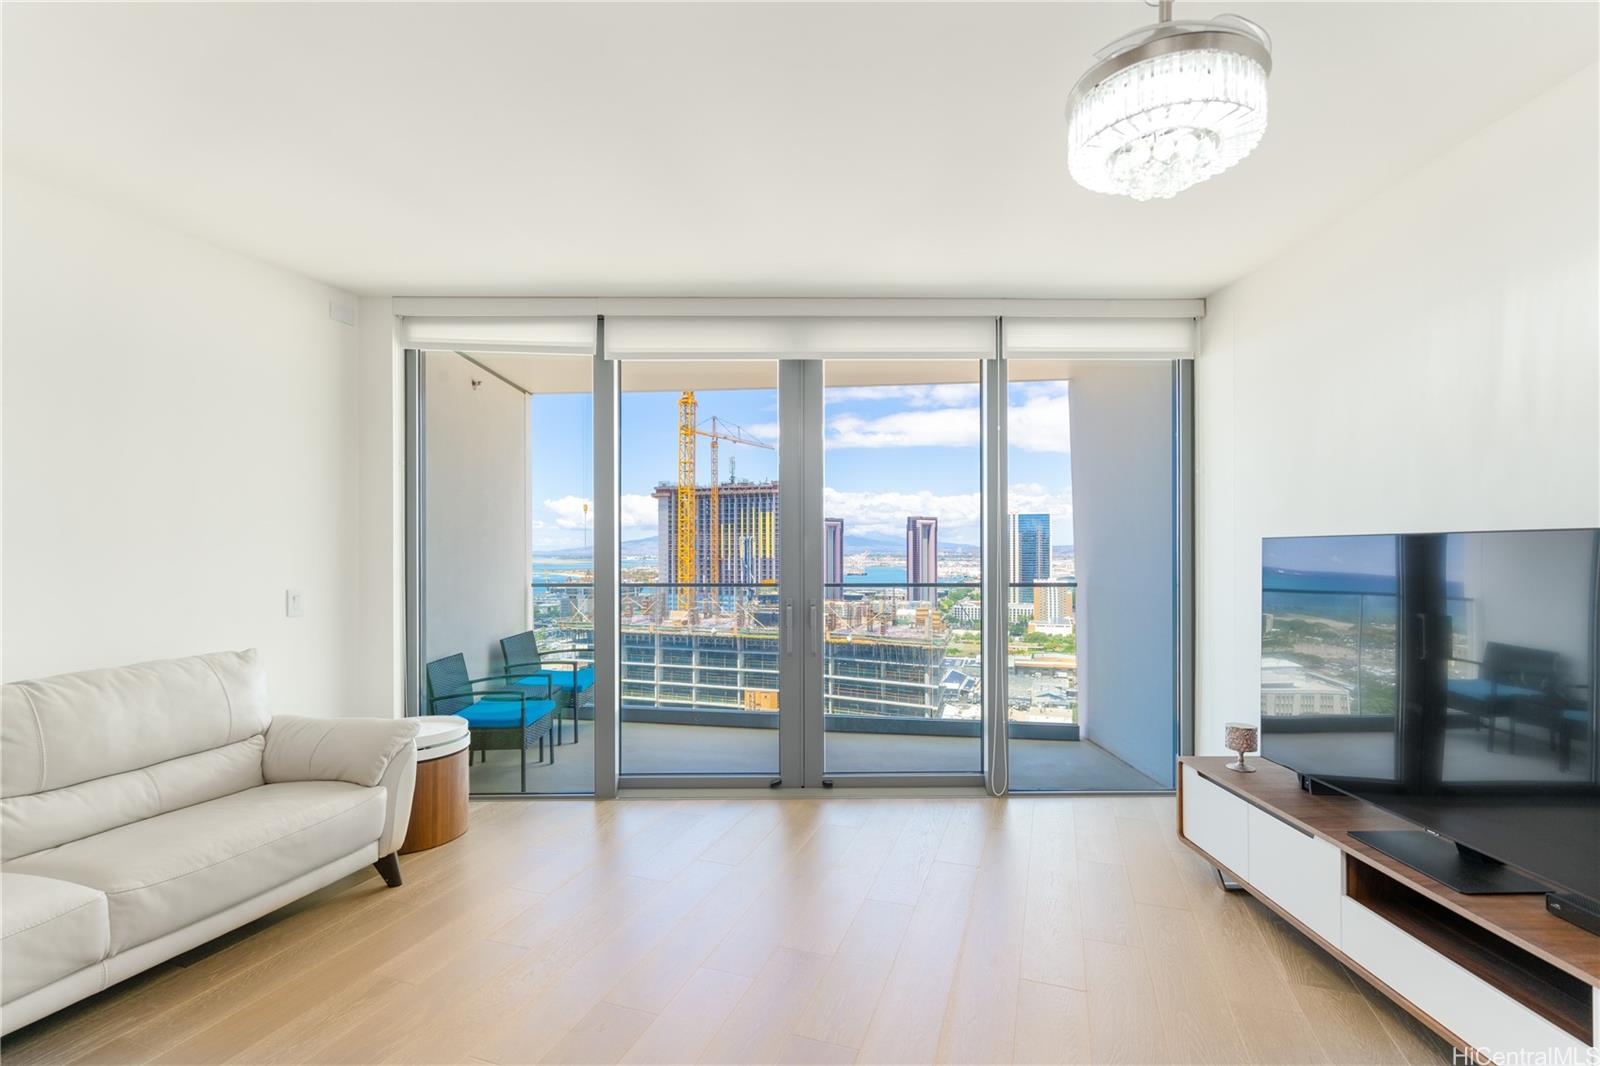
[686, 500]
[688, 492]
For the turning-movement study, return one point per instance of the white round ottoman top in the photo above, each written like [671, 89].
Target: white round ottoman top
[439, 735]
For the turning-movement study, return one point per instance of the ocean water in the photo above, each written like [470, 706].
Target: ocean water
[878, 575]
[1336, 596]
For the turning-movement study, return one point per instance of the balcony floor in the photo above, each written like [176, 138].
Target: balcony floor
[653, 748]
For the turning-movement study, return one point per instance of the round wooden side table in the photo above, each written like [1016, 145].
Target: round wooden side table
[439, 805]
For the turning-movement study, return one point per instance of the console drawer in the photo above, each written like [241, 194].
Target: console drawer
[1469, 1007]
[1300, 873]
[1214, 819]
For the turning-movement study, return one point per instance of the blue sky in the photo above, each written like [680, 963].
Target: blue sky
[1352, 554]
[890, 451]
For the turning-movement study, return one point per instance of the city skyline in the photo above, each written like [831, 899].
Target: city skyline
[890, 452]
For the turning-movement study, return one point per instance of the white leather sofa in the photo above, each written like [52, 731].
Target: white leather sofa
[147, 809]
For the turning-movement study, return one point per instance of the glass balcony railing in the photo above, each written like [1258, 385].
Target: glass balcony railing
[896, 661]
[903, 659]
[700, 654]
[1042, 660]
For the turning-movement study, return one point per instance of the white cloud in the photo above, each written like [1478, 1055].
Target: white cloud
[886, 512]
[569, 512]
[943, 427]
[940, 416]
[638, 514]
[959, 514]
[1042, 422]
[1033, 498]
[948, 395]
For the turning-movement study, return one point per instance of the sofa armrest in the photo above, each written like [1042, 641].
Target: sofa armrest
[399, 782]
[363, 751]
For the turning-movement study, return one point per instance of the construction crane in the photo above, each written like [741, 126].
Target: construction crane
[688, 492]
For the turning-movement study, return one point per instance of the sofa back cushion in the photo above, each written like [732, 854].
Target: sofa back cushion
[62, 730]
[62, 815]
[60, 736]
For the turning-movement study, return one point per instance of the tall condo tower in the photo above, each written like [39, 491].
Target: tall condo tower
[832, 554]
[1030, 553]
[922, 558]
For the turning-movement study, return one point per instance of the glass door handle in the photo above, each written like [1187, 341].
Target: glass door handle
[811, 624]
[788, 627]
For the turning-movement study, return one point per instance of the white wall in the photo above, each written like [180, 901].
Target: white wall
[1121, 424]
[478, 523]
[1428, 362]
[179, 449]
[379, 662]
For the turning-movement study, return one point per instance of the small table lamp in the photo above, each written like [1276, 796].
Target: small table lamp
[1241, 738]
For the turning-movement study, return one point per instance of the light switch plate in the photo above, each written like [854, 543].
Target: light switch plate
[294, 603]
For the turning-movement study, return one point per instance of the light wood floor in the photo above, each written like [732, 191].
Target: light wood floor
[837, 929]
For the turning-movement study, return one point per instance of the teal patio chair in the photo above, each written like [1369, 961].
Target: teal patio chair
[497, 717]
[572, 679]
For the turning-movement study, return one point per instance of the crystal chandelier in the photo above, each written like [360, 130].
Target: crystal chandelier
[1169, 106]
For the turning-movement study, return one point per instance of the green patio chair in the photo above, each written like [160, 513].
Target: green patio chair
[498, 718]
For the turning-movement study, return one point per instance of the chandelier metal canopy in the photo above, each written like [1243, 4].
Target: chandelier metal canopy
[1169, 106]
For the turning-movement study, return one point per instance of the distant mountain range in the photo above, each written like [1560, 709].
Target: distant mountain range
[888, 542]
[639, 546]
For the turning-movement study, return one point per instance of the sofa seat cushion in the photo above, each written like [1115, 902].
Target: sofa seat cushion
[49, 929]
[170, 871]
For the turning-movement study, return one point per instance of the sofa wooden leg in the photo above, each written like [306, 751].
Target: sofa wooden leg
[389, 868]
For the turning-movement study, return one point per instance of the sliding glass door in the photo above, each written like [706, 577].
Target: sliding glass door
[701, 549]
[800, 571]
[901, 519]
[827, 550]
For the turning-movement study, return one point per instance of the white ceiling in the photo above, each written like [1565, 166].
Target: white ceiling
[777, 150]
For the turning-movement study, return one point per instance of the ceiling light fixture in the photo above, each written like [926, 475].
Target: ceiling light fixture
[1169, 106]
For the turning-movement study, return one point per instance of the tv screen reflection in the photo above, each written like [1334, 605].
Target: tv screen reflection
[1433, 663]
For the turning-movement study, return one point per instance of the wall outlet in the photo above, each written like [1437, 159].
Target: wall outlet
[294, 603]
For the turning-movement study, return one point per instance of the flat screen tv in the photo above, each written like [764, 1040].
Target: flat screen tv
[1449, 678]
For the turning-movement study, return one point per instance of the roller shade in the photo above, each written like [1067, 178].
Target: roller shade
[538, 336]
[818, 337]
[1099, 338]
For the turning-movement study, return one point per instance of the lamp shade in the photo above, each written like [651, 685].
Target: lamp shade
[1168, 107]
[1241, 737]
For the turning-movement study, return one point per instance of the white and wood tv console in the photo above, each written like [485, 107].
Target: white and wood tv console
[1491, 974]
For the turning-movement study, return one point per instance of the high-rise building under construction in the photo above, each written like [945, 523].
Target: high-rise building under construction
[747, 526]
